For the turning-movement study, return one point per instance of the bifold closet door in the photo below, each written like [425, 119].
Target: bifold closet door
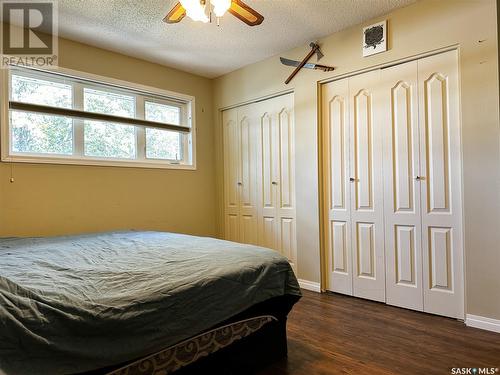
[240, 174]
[403, 250]
[335, 103]
[231, 139]
[285, 188]
[367, 215]
[248, 124]
[400, 239]
[353, 163]
[440, 171]
[259, 175]
[277, 176]
[269, 174]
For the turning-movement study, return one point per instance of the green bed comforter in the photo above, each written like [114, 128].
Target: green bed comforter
[77, 303]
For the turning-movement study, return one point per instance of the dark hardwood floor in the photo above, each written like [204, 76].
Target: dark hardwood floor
[335, 334]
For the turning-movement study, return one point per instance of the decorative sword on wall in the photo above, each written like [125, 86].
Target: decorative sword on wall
[305, 64]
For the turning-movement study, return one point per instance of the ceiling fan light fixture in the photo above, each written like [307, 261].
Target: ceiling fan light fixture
[195, 9]
[202, 10]
[221, 7]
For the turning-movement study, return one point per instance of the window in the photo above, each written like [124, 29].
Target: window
[105, 139]
[35, 133]
[162, 144]
[71, 118]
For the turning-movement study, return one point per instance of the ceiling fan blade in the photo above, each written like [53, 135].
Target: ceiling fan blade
[248, 15]
[176, 14]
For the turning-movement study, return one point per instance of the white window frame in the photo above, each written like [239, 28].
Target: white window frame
[80, 80]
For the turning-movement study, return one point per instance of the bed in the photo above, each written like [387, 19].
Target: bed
[141, 303]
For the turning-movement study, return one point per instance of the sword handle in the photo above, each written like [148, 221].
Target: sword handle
[302, 63]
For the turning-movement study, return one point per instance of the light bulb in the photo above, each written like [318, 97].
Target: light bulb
[195, 10]
[221, 7]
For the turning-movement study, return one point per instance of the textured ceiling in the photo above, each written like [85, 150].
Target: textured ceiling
[135, 28]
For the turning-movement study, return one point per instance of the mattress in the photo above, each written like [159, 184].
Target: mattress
[77, 303]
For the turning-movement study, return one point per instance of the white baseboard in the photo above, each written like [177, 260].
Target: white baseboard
[310, 285]
[482, 322]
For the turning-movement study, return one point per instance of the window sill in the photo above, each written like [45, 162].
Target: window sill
[62, 160]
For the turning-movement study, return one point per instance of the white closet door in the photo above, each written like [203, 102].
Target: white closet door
[285, 183]
[441, 185]
[259, 175]
[335, 97]
[403, 252]
[277, 176]
[231, 139]
[269, 173]
[367, 220]
[247, 184]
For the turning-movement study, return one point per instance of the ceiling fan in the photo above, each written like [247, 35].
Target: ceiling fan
[197, 10]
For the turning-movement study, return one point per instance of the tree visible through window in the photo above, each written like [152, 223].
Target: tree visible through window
[37, 130]
[162, 144]
[104, 139]
[41, 134]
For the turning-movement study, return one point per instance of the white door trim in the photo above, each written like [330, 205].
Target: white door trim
[389, 64]
[259, 99]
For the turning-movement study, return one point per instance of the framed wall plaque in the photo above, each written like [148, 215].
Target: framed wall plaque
[375, 38]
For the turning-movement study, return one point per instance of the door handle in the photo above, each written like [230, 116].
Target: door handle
[419, 178]
[240, 183]
[274, 183]
[352, 179]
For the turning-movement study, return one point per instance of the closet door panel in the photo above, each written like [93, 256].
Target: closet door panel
[405, 260]
[285, 183]
[231, 143]
[269, 159]
[365, 250]
[288, 240]
[335, 118]
[277, 225]
[269, 221]
[286, 178]
[269, 232]
[248, 176]
[248, 229]
[340, 259]
[259, 175]
[362, 148]
[247, 180]
[367, 218]
[231, 158]
[403, 253]
[437, 140]
[232, 227]
[441, 185]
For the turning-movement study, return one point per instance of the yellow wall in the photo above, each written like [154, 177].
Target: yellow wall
[417, 29]
[60, 199]
[57, 199]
